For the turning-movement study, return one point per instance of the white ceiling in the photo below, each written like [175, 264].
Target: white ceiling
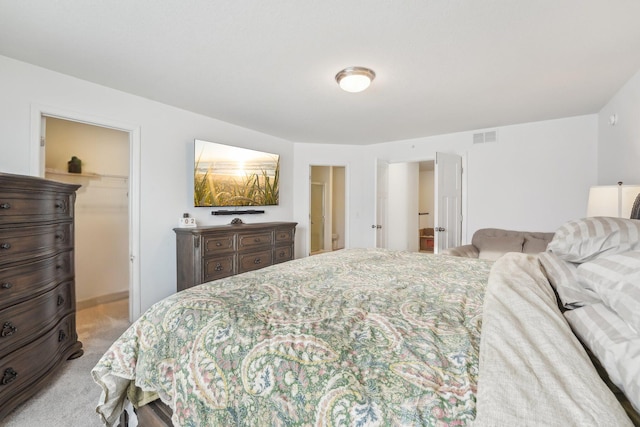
[442, 65]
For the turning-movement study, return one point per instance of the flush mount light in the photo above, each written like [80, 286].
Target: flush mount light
[355, 79]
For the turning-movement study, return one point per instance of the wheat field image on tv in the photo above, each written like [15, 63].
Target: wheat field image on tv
[233, 176]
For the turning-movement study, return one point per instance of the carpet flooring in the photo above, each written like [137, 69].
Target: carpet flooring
[69, 398]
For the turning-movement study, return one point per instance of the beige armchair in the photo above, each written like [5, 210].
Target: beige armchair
[492, 243]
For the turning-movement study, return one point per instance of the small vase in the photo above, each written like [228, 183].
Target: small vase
[75, 165]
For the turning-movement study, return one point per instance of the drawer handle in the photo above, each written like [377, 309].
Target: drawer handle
[9, 375]
[62, 335]
[59, 235]
[218, 244]
[6, 285]
[218, 267]
[282, 254]
[256, 240]
[8, 329]
[60, 300]
[5, 245]
[257, 261]
[5, 206]
[60, 205]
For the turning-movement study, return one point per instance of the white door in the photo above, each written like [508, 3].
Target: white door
[448, 198]
[382, 196]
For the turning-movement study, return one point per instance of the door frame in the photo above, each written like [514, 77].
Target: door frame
[347, 184]
[425, 158]
[37, 151]
[326, 216]
[381, 203]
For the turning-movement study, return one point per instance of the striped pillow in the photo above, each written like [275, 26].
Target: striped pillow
[613, 342]
[562, 276]
[585, 239]
[616, 279]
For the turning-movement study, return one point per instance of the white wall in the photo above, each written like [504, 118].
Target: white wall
[359, 174]
[619, 145]
[535, 177]
[166, 166]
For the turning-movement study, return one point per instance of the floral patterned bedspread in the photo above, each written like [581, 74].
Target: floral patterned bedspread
[358, 337]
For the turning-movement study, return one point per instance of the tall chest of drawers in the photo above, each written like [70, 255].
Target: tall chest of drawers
[210, 253]
[37, 289]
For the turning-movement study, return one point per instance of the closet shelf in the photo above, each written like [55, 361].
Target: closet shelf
[89, 175]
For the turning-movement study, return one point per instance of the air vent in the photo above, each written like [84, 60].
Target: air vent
[482, 137]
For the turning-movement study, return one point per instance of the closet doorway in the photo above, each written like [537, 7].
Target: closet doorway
[102, 205]
[327, 209]
[107, 204]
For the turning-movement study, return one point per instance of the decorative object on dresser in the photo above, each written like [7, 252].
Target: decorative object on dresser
[37, 289]
[215, 252]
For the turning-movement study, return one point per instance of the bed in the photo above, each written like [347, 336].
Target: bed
[362, 337]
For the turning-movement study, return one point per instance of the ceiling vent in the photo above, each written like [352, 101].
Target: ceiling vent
[482, 137]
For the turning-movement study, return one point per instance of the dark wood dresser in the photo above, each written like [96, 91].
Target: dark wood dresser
[37, 290]
[210, 253]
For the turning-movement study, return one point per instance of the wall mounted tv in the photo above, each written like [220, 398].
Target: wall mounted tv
[232, 176]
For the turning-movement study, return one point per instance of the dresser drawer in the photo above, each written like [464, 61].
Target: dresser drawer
[217, 244]
[250, 241]
[254, 260]
[26, 365]
[23, 281]
[284, 235]
[282, 254]
[21, 208]
[21, 322]
[217, 268]
[21, 243]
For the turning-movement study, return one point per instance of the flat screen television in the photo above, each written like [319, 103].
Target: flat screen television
[231, 176]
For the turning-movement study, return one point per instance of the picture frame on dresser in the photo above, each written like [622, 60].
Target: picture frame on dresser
[37, 284]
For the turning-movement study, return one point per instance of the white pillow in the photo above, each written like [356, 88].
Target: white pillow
[585, 239]
[616, 280]
[562, 276]
[613, 342]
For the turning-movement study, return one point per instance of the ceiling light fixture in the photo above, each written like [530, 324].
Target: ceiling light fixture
[355, 79]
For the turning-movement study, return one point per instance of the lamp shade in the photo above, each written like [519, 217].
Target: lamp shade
[612, 200]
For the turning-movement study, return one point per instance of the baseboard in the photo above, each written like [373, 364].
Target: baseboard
[102, 299]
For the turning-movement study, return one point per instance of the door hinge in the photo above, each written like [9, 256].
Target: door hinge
[42, 141]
